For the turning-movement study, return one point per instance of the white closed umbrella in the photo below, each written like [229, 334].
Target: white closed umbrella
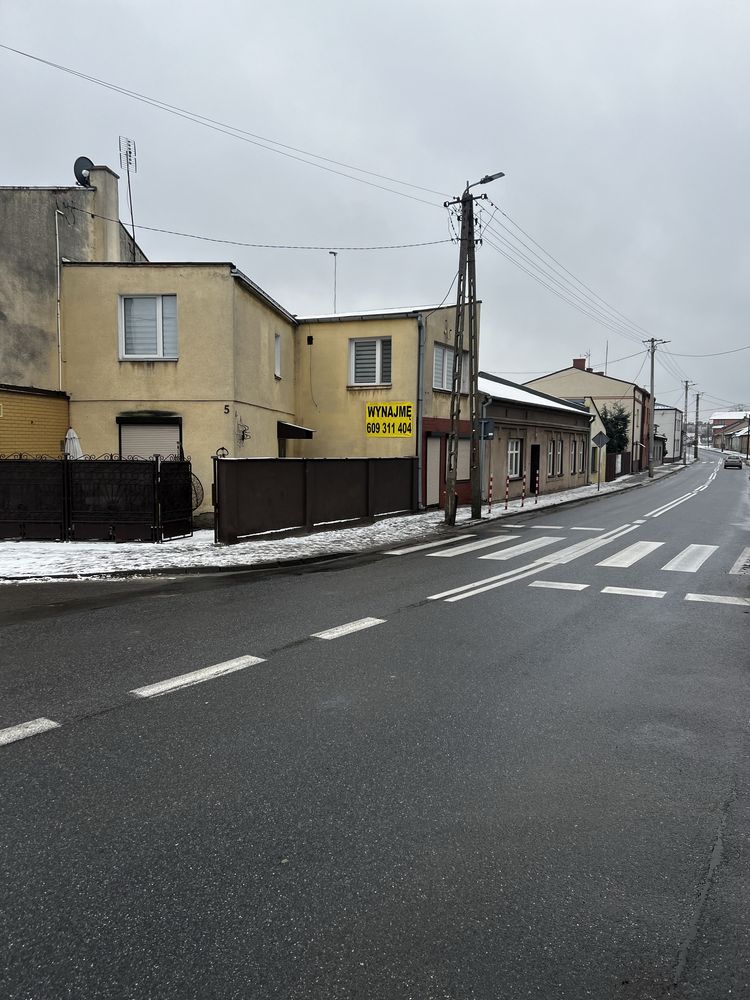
[73, 445]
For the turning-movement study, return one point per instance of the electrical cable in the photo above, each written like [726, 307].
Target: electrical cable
[259, 246]
[269, 144]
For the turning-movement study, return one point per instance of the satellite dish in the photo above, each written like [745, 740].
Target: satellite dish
[82, 169]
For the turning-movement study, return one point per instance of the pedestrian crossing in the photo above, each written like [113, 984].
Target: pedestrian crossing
[686, 559]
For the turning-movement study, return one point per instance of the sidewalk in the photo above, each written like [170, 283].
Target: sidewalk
[38, 562]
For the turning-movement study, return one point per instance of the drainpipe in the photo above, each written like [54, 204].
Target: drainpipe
[420, 407]
[59, 326]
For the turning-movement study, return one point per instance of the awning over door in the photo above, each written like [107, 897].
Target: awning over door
[286, 430]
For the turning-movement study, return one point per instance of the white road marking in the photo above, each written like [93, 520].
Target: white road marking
[633, 592]
[639, 522]
[631, 554]
[514, 525]
[196, 677]
[26, 729]
[483, 543]
[509, 573]
[427, 545]
[587, 529]
[509, 578]
[583, 548]
[743, 563]
[520, 549]
[690, 559]
[547, 527]
[658, 511]
[336, 633]
[743, 602]
[554, 585]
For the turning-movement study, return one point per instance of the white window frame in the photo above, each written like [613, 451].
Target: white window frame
[378, 359]
[277, 355]
[550, 458]
[582, 456]
[573, 455]
[514, 457]
[559, 457]
[160, 355]
[447, 352]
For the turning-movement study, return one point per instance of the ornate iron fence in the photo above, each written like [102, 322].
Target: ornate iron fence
[103, 498]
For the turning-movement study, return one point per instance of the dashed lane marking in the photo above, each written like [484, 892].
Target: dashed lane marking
[483, 543]
[196, 677]
[339, 630]
[547, 527]
[427, 545]
[26, 729]
[555, 585]
[743, 602]
[587, 529]
[633, 592]
[690, 559]
[630, 554]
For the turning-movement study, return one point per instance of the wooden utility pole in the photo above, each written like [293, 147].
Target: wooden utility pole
[684, 421]
[466, 304]
[653, 341]
[695, 436]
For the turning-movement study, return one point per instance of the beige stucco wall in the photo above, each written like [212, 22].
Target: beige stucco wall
[334, 409]
[226, 361]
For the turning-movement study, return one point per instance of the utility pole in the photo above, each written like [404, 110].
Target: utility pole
[695, 436]
[684, 418]
[334, 254]
[466, 302]
[653, 341]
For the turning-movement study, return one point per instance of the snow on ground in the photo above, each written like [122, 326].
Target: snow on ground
[43, 561]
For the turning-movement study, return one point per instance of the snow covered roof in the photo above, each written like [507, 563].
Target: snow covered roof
[728, 415]
[338, 317]
[500, 388]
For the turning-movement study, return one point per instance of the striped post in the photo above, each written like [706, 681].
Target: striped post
[536, 490]
[489, 497]
[507, 490]
[523, 490]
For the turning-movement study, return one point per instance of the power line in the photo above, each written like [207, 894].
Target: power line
[716, 354]
[237, 133]
[260, 246]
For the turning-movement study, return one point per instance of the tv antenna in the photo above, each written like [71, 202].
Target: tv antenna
[129, 163]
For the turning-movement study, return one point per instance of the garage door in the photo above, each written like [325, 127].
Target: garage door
[145, 440]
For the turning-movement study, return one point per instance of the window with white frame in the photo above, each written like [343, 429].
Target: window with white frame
[514, 458]
[148, 327]
[572, 456]
[582, 456]
[560, 457]
[277, 355]
[442, 368]
[550, 458]
[370, 361]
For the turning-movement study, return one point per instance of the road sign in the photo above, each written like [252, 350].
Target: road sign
[601, 439]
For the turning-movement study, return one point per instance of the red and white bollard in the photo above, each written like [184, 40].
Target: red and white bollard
[507, 490]
[523, 490]
[489, 497]
[536, 490]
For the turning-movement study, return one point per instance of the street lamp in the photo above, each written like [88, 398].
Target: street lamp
[466, 276]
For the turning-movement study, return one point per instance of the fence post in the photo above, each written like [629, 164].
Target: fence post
[309, 498]
[536, 489]
[523, 490]
[489, 497]
[507, 490]
[156, 529]
[215, 497]
[67, 509]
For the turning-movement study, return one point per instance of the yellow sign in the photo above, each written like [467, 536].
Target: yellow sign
[389, 420]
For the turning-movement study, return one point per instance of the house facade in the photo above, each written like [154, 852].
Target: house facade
[578, 383]
[538, 440]
[668, 423]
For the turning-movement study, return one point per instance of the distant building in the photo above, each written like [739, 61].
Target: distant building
[668, 423]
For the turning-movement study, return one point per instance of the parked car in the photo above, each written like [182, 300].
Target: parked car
[732, 462]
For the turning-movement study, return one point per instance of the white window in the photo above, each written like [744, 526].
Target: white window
[572, 456]
[442, 368]
[148, 327]
[514, 458]
[550, 458]
[559, 457]
[582, 456]
[370, 361]
[277, 355]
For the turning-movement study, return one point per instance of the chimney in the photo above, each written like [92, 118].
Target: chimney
[107, 214]
[579, 363]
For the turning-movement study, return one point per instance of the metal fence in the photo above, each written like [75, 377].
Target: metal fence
[110, 498]
[254, 495]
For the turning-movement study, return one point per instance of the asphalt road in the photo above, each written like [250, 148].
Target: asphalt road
[523, 776]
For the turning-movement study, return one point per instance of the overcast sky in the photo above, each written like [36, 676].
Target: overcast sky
[621, 128]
